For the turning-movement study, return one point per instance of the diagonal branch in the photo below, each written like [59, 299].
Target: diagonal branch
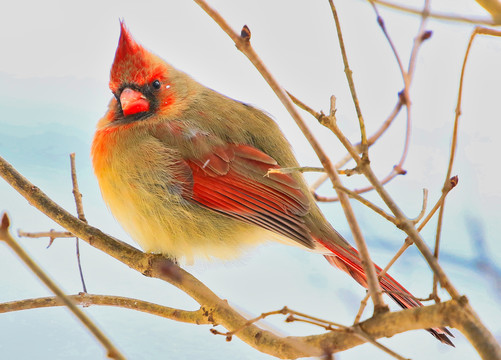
[5, 235]
[437, 15]
[243, 44]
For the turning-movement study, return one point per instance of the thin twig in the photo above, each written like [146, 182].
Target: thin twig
[404, 98]
[229, 334]
[394, 173]
[318, 320]
[421, 36]
[407, 76]
[351, 83]
[405, 223]
[113, 352]
[326, 120]
[323, 119]
[293, 315]
[243, 44]
[476, 31]
[50, 234]
[408, 243]
[326, 324]
[292, 318]
[77, 251]
[382, 25]
[301, 169]
[437, 15]
[423, 207]
[352, 194]
[81, 216]
[370, 141]
[76, 191]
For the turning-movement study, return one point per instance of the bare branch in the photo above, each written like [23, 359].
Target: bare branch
[85, 299]
[50, 234]
[370, 141]
[382, 25]
[459, 311]
[351, 83]
[78, 201]
[243, 44]
[476, 31]
[437, 15]
[326, 324]
[370, 205]
[393, 173]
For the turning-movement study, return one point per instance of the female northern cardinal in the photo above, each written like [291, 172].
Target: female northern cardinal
[184, 169]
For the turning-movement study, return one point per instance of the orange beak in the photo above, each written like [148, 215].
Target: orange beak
[133, 102]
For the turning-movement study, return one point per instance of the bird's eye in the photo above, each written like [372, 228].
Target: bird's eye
[156, 84]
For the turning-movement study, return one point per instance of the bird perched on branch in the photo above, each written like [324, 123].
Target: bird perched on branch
[186, 171]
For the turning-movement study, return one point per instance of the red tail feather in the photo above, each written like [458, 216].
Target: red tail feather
[349, 262]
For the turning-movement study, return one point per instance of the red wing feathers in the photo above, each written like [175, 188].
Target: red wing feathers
[234, 180]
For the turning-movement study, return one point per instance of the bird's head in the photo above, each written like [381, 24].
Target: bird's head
[142, 83]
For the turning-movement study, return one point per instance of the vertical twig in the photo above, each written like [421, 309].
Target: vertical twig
[407, 76]
[78, 201]
[477, 31]
[82, 279]
[351, 83]
[76, 191]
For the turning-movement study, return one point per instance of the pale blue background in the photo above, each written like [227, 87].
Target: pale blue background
[54, 67]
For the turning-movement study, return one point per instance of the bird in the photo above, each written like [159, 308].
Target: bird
[190, 173]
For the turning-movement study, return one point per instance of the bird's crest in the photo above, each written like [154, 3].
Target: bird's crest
[134, 64]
